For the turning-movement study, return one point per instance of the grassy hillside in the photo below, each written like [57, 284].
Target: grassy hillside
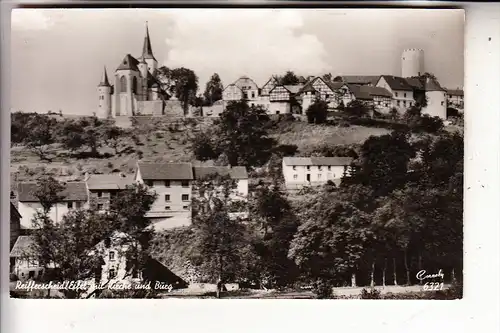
[161, 139]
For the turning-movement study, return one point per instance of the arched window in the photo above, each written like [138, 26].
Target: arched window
[134, 85]
[123, 84]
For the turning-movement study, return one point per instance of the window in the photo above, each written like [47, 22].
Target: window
[149, 182]
[404, 94]
[70, 205]
[404, 103]
[134, 85]
[386, 105]
[185, 207]
[329, 167]
[295, 176]
[411, 103]
[277, 112]
[294, 167]
[253, 94]
[185, 197]
[167, 183]
[379, 102]
[100, 207]
[111, 255]
[123, 84]
[442, 103]
[308, 167]
[112, 273]
[167, 197]
[319, 168]
[319, 176]
[396, 94]
[167, 207]
[398, 103]
[99, 194]
[185, 183]
[78, 205]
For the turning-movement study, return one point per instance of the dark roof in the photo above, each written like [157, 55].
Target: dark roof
[22, 247]
[455, 92]
[309, 85]
[428, 85]
[114, 181]
[13, 211]
[129, 63]
[147, 51]
[358, 79]
[236, 172]
[375, 91]
[104, 81]
[397, 83]
[74, 191]
[293, 88]
[360, 93]
[166, 171]
[317, 160]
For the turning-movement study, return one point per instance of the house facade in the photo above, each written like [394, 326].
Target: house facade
[74, 196]
[455, 98]
[173, 183]
[401, 91]
[314, 171]
[24, 261]
[104, 187]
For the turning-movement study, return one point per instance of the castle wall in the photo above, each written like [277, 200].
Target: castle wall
[150, 108]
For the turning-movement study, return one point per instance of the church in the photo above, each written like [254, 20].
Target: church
[136, 89]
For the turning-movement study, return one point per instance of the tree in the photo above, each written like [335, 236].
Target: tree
[329, 246]
[328, 77]
[203, 146]
[182, 82]
[219, 235]
[213, 89]
[113, 136]
[240, 134]
[40, 135]
[48, 192]
[317, 112]
[129, 209]
[85, 132]
[356, 109]
[288, 79]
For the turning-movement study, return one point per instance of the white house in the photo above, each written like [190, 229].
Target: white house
[435, 96]
[455, 98]
[23, 260]
[172, 183]
[401, 91]
[318, 88]
[74, 196]
[314, 171]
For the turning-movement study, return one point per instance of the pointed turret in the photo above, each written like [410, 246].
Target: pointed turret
[104, 80]
[147, 51]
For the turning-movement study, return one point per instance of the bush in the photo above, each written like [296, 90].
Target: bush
[323, 289]
[317, 113]
[372, 294]
[430, 124]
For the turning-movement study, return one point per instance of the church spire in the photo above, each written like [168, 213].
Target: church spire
[104, 81]
[147, 51]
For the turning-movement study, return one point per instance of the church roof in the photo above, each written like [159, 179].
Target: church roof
[128, 63]
[147, 51]
[104, 80]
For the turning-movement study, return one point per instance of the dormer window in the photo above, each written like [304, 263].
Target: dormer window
[111, 255]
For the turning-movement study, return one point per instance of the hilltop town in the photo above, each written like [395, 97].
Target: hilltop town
[273, 182]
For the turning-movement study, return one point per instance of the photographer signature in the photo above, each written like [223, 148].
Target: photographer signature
[422, 275]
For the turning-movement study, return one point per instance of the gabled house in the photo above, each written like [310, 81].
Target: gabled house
[104, 187]
[282, 98]
[268, 86]
[401, 91]
[321, 89]
[23, 259]
[172, 183]
[74, 196]
[232, 93]
[434, 94]
[380, 98]
[314, 171]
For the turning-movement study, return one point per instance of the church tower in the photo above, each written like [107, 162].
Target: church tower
[104, 92]
[147, 53]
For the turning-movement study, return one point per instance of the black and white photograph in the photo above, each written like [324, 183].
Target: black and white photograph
[232, 153]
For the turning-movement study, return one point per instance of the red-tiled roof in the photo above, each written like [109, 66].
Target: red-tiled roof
[166, 171]
[236, 172]
[73, 191]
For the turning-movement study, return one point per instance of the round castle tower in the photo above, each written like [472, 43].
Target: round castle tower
[104, 91]
[412, 62]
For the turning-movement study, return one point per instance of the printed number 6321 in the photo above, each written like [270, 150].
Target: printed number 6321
[433, 286]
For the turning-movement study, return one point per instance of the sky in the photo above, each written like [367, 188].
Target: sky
[58, 55]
